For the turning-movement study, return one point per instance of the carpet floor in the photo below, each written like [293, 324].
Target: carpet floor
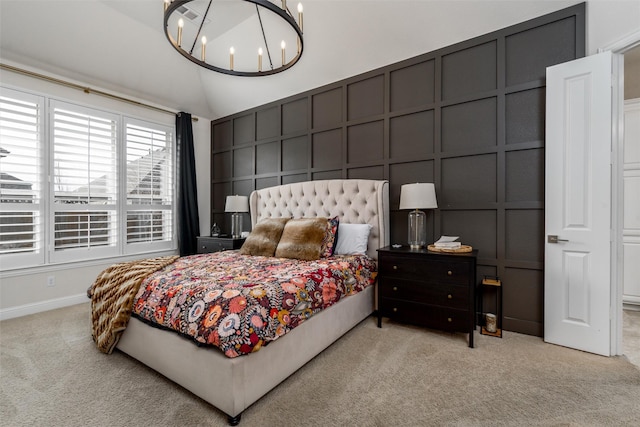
[631, 335]
[51, 374]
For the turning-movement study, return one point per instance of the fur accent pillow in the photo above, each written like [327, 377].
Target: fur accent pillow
[302, 239]
[264, 237]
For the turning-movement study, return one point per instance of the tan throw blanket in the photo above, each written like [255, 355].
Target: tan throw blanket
[112, 297]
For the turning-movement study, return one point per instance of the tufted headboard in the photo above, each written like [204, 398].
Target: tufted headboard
[355, 201]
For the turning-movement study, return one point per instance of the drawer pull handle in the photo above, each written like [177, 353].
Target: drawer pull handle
[395, 288]
[449, 273]
[449, 296]
[395, 309]
[449, 319]
[395, 267]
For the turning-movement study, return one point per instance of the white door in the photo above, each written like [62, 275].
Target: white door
[578, 204]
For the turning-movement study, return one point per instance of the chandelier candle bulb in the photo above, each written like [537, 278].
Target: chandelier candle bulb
[260, 59]
[180, 25]
[231, 52]
[166, 4]
[284, 4]
[204, 47]
[300, 15]
[283, 45]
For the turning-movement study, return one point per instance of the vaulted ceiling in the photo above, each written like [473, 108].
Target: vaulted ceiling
[120, 45]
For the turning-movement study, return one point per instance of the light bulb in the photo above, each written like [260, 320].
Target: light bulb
[180, 25]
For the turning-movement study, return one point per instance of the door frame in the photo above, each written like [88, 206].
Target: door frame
[618, 49]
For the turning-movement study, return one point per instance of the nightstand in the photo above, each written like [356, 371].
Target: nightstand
[208, 244]
[431, 289]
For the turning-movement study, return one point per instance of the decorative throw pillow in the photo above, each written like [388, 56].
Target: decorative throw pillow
[302, 239]
[352, 239]
[264, 237]
[330, 236]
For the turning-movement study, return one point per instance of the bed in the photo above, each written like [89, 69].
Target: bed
[232, 384]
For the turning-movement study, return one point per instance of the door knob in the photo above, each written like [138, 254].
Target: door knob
[551, 238]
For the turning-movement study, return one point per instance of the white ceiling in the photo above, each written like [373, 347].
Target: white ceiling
[121, 46]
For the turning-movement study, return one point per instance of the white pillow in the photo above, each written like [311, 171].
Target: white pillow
[352, 239]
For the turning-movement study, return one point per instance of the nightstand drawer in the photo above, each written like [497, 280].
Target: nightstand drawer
[454, 296]
[425, 315]
[217, 244]
[434, 271]
[207, 246]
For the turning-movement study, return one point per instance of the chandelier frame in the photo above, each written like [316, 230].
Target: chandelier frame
[284, 14]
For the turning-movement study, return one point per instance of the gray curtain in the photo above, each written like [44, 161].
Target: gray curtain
[188, 220]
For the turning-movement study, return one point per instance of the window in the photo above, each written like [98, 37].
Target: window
[84, 182]
[107, 182]
[21, 178]
[149, 187]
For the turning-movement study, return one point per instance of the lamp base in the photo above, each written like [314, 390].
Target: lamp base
[417, 225]
[236, 225]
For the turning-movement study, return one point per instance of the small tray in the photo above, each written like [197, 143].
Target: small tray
[461, 249]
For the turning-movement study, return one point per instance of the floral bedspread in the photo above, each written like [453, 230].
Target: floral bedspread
[241, 303]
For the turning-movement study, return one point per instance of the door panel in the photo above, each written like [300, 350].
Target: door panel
[577, 204]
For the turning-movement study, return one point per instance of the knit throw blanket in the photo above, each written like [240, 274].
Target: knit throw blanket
[112, 297]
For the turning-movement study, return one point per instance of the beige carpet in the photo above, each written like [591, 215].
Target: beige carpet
[631, 336]
[52, 375]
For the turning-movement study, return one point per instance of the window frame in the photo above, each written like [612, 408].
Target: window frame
[47, 256]
[136, 247]
[85, 252]
[38, 256]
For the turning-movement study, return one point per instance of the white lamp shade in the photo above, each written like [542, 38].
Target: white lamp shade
[237, 204]
[418, 196]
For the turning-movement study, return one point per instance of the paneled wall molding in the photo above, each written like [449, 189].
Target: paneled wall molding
[468, 117]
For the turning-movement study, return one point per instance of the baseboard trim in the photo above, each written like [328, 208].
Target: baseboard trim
[39, 307]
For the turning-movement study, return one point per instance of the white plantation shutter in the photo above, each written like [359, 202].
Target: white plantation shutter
[84, 182]
[21, 179]
[149, 184]
[79, 183]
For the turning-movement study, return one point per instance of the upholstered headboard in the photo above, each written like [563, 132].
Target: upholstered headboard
[355, 201]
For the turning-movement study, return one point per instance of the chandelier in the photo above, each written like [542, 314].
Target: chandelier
[247, 38]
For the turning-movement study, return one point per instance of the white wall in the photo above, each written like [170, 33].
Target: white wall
[609, 21]
[631, 209]
[202, 149]
[26, 291]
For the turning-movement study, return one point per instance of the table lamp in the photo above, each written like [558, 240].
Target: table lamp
[237, 205]
[418, 196]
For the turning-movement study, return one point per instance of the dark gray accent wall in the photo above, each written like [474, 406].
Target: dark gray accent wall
[468, 117]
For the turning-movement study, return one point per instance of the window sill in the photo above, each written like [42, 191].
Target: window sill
[24, 271]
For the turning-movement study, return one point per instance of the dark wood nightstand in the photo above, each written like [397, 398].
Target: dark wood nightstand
[208, 244]
[431, 289]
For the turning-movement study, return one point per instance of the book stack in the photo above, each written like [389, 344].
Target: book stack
[447, 242]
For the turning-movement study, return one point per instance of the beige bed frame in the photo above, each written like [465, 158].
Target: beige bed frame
[233, 384]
